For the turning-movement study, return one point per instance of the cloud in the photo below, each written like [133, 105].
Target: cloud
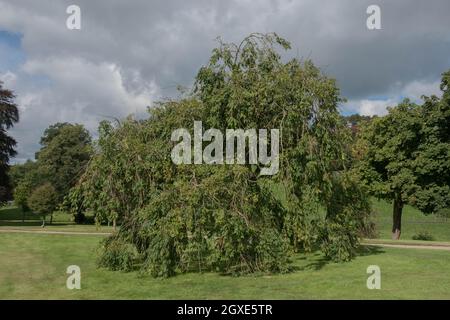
[413, 91]
[8, 78]
[131, 53]
[80, 92]
[374, 107]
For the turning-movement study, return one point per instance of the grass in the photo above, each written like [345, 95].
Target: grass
[413, 222]
[33, 266]
[11, 218]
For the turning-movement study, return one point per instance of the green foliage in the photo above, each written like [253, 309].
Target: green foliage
[21, 194]
[9, 115]
[207, 225]
[66, 149]
[117, 255]
[23, 171]
[226, 218]
[407, 154]
[43, 200]
[423, 235]
[347, 218]
[444, 212]
[25, 178]
[339, 239]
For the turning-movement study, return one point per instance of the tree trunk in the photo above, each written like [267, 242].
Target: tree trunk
[114, 224]
[397, 218]
[51, 218]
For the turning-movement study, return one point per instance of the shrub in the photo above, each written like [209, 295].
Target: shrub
[423, 235]
[43, 200]
[444, 213]
[116, 254]
[339, 240]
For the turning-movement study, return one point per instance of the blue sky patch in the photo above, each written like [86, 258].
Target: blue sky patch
[11, 53]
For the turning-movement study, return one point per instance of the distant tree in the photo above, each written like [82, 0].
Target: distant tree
[66, 148]
[407, 155]
[21, 193]
[357, 118]
[43, 201]
[9, 115]
[23, 171]
[24, 178]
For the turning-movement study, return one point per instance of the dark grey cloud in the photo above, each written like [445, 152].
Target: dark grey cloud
[131, 53]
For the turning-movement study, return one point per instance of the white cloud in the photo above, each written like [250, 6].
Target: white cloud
[413, 91]
[129, 54]
[9, 79]
[81, 92]
[374, 107]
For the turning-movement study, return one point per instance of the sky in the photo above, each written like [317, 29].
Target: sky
[130, 54]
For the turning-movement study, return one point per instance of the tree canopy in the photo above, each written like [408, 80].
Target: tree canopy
[229, 217]
[66, 148]
[407, 155]
[9, 115]
[43, 200]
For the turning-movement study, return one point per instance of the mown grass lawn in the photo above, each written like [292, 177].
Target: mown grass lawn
[413, 222]
[33, 266]
[13, 218]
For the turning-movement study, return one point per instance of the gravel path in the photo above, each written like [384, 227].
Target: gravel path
[443, 246]
[409, 246]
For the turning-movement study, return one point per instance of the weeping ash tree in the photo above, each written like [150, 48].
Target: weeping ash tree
[229, 218]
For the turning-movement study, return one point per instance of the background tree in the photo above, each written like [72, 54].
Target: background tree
[9, 115]
[21, 193]
[43, 201]
[407, 156]
[24, 178]
[66, 148]
[23, 171]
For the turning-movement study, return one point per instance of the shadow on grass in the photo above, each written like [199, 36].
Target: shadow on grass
[316, 261]
[364, 250]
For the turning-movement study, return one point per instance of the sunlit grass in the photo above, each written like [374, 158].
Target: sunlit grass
[33, 266]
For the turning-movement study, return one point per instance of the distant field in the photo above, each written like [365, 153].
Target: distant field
[11, 218]
[33, 266]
